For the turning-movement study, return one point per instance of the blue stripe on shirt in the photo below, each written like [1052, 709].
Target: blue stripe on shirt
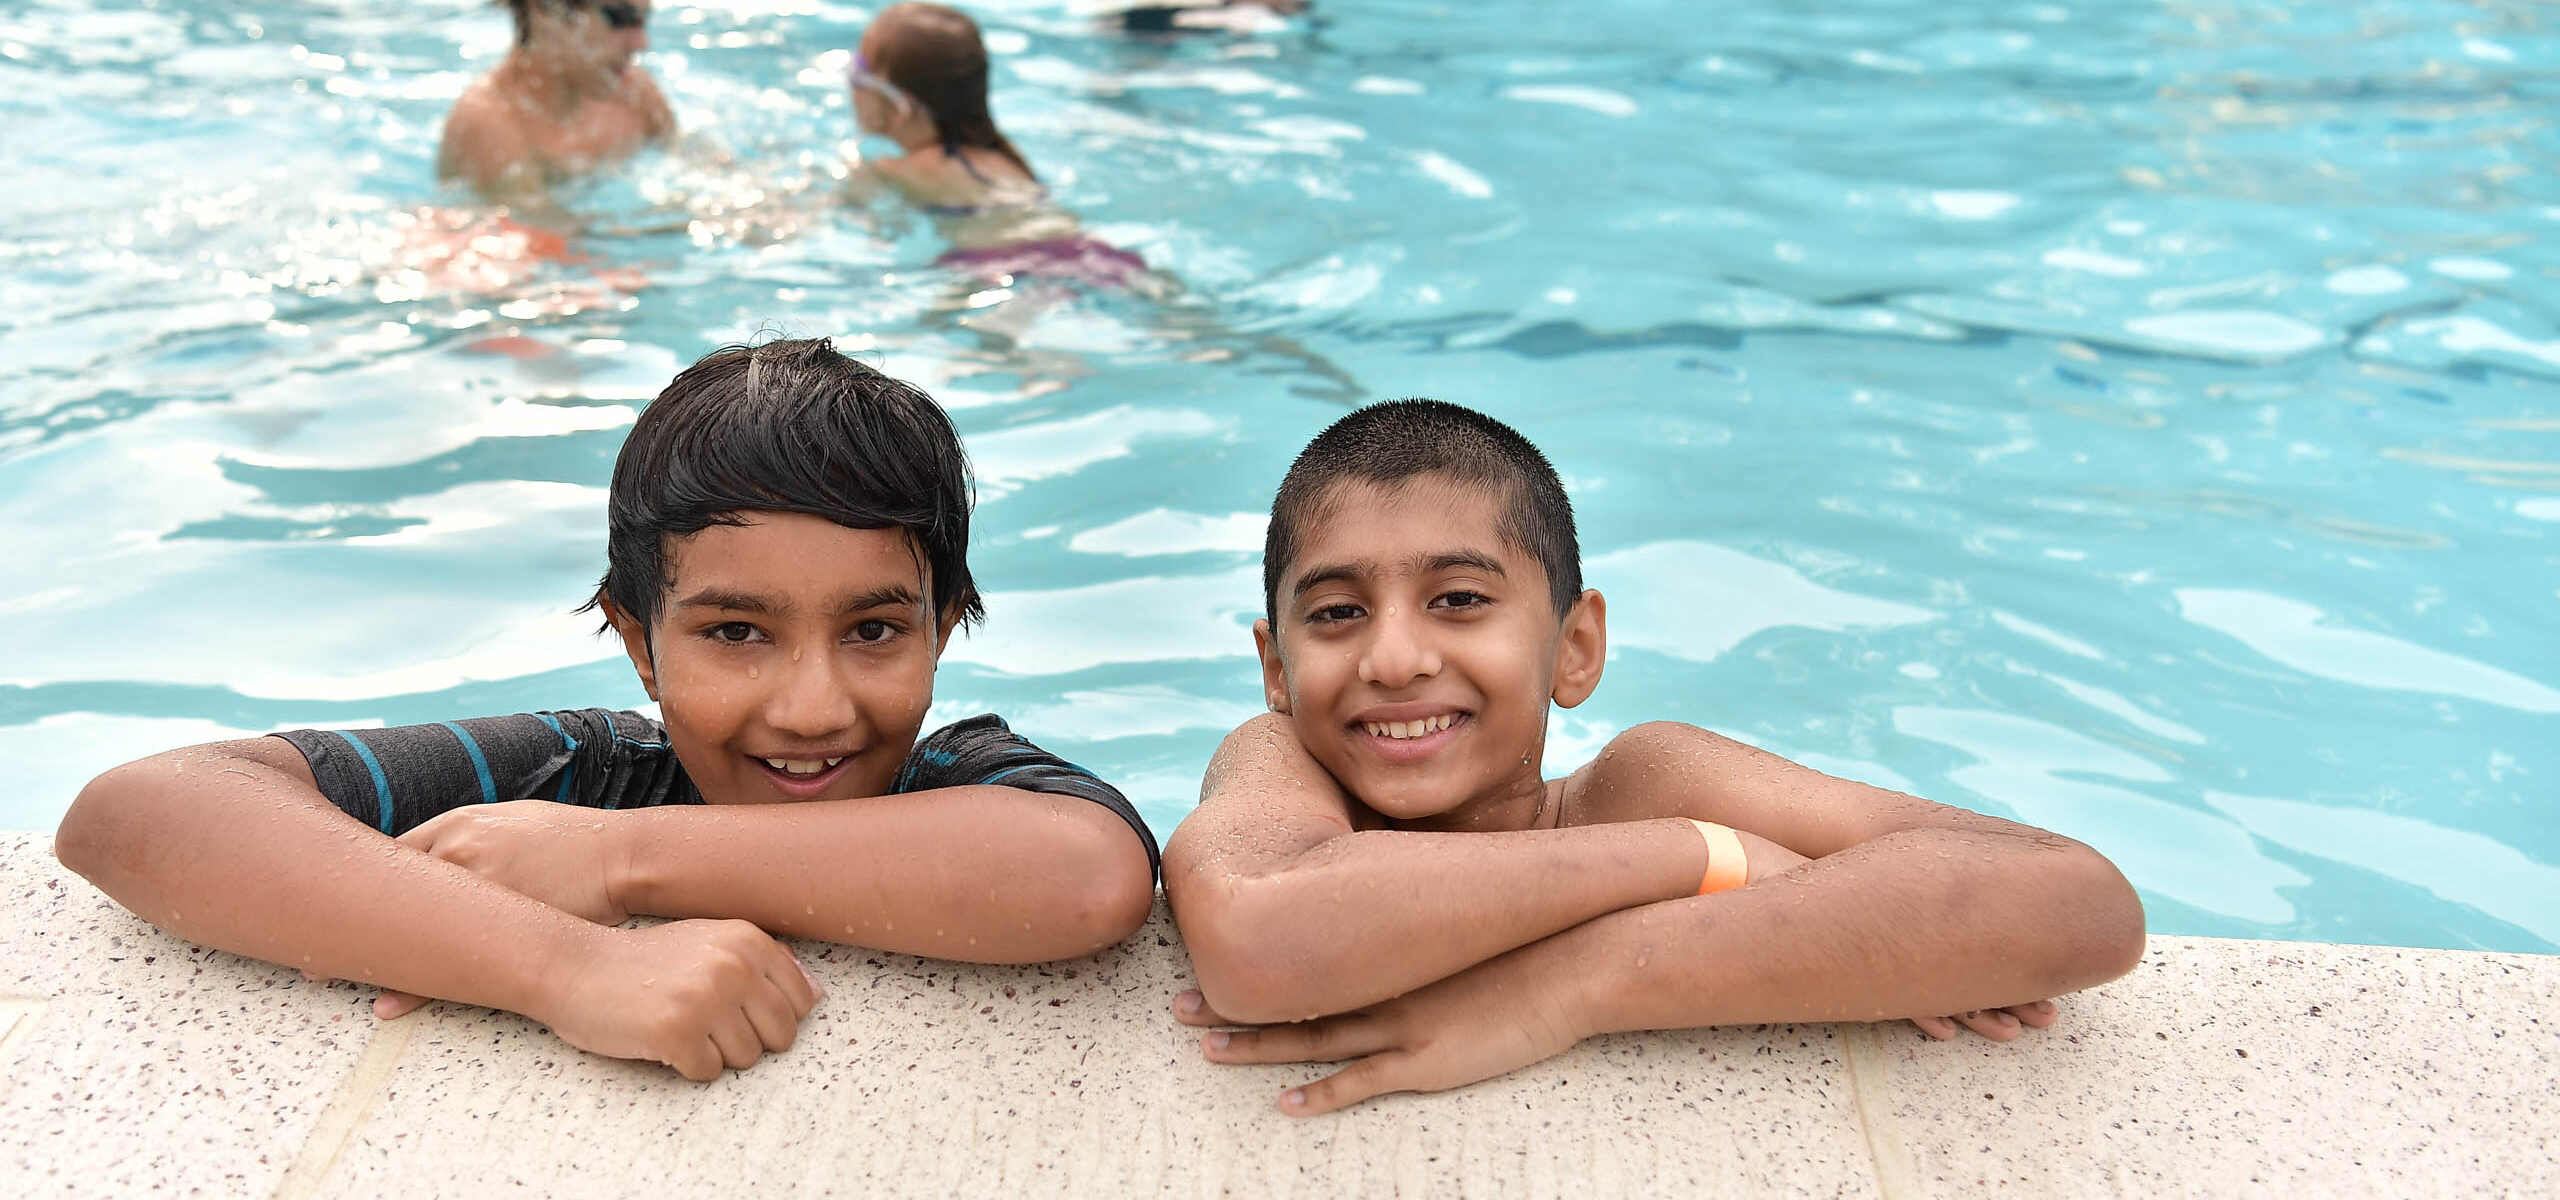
[568, 772]
[1063, 766]
[381, 786]
[479, 762]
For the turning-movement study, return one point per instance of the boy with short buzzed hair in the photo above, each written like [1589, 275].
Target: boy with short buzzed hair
[787, 558]
[1378, 872]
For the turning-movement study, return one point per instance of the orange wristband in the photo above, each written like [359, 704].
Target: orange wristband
[1727, 865]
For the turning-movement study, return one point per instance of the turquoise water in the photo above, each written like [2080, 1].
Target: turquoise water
[2140, 420]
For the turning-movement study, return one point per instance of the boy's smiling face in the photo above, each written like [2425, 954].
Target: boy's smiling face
[793, 658]
[1416, 650]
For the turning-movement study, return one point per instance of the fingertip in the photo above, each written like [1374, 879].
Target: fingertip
[817, 990]
[1294, 1102]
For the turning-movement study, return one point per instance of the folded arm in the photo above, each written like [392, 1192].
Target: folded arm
[1864, 935]
[1907, 909]
[981, 874]
[1290, 910]
[232, 845]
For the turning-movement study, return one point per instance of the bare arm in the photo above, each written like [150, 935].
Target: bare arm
[231, 845]
[1909, 909]
[481, 147]
[981, 874]
[1291, 912]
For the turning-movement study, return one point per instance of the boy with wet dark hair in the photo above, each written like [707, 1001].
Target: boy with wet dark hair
[787, 559]
[1378, 872]
[570, 96]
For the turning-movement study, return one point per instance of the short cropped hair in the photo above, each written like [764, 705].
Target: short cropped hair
[787, 426]
[1387, 444]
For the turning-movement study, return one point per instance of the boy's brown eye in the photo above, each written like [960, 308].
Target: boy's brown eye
[873, 631]
[1462, 600]
[733, 632]
[1334, 612]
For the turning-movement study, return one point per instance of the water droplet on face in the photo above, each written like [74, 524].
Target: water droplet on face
[754, 673]
[795, 653]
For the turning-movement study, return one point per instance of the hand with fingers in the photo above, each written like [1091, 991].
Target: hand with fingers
[696, 995]
[565, 856]
[561, 854]
[1481, 1022]
[1998, 1024]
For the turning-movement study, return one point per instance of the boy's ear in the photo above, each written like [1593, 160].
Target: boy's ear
[1582, 649]
[635, 643]
[943, 626]
[1275, 678]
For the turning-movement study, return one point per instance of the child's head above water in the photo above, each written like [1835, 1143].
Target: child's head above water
[599, 35]
[1425, 595]
[786, 555]
[926, 62]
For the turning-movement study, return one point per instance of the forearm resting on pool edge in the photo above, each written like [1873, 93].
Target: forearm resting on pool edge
[1373, 914]
[980, 874]
[1914, 924]
[228, 846]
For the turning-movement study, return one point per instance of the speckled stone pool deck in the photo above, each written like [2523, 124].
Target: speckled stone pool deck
[133, 1063]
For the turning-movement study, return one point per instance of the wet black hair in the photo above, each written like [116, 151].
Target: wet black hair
[1389, 444]
[522, 11]
[935, 54]
[787, 426]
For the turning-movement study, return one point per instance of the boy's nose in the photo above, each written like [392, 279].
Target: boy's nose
[809, 699]
[1398, 651]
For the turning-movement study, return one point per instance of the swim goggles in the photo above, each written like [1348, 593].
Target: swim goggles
[618, 14]
[859, 75]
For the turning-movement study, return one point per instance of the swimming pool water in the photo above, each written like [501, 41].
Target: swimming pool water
[2139, 419]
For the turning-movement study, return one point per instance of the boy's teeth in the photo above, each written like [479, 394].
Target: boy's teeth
[1401, 730]
[801, 766]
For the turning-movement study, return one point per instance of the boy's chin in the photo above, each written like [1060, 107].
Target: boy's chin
[1410, 799]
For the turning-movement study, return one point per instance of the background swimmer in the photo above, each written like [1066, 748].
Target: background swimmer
[919, 78]
[568, 97]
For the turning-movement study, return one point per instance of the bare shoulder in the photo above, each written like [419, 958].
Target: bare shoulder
[656, 115]
[483, 138]
[1652, 770]
[1263, 797]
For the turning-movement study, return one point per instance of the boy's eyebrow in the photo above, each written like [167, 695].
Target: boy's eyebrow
[1446, 560]
[1471, 559]
[893, 595]
[1331, 573]
[733, 601]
